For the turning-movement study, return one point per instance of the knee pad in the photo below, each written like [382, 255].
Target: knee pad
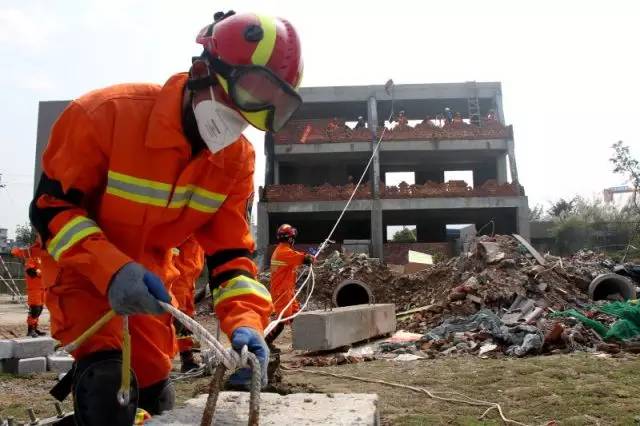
[96, 383]
[158, 397]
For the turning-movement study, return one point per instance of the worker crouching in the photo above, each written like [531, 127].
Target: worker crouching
[132, 171]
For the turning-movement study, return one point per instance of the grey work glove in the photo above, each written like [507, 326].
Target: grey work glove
[134, 290]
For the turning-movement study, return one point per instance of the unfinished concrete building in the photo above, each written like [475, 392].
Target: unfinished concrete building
[313, 164]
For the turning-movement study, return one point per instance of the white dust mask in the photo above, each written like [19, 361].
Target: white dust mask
[219, 125]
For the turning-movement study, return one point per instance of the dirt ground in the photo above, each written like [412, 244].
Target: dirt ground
[575, 389]
[13, 318]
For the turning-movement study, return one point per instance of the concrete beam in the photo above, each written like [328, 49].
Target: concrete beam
[443, 203]
[325, 330]
[297, 409]
[451, 203]
[316, 206]
[29, 347]
[6, 349]
[402, 92]
[59, 363]
[391, 146]
[25, 365]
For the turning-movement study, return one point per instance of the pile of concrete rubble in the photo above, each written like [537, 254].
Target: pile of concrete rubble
[498, 299]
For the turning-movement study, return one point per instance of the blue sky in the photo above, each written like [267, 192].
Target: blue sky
[569, 69]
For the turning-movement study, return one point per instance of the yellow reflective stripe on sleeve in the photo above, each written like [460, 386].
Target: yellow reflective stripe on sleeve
[140, 190]
[145, 183]
[145, 191]
[196, 198]
[71, 233]
[240, 286]
[265, 47]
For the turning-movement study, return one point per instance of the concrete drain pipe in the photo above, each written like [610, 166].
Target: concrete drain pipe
[352, 292]
[605, 285]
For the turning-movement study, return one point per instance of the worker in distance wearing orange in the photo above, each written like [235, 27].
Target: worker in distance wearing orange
[284, 264]
[189, 261]
[132, 171]
[35, 287]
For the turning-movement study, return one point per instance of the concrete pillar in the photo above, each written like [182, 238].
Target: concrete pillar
[501, 169]
[499, 110]
[523, 218]
[269, 149]
[48, 113]
[512, 161]
[276, 172]
[377, 230]
[263, 235]
[377, 234]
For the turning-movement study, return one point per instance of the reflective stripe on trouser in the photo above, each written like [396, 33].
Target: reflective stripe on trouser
[71, 233]
[145, 191]
[240, 286]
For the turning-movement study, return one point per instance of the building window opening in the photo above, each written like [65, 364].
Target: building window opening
[465, 176]
[395, 178]
[402, 233]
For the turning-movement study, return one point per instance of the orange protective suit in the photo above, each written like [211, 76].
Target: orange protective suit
[121, 184]
[33, 278]
[284, 262]
[189, 261]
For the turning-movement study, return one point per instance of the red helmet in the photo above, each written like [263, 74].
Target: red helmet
[257, 61]
[286, 231]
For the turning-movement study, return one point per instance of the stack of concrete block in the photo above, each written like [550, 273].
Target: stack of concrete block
[29, 355]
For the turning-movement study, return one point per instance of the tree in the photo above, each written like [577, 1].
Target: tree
[25, 235]
[626, 165]
[536, 213]
[405, 235]
[562, 207]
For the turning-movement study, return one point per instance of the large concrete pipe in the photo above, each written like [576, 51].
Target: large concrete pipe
[605, 285]
[352, 292]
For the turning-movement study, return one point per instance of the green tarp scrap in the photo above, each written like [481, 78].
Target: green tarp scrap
[627, 326]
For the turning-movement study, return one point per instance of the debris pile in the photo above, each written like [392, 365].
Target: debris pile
[498, 299]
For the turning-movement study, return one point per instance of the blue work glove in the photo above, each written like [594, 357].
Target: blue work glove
[134, 290]
[246, 336]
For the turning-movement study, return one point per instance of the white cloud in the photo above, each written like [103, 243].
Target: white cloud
[25, 28]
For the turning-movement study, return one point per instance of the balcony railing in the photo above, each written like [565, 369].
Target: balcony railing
[335, 130]
[326, 192]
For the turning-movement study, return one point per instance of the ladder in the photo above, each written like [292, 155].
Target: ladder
[473, 104]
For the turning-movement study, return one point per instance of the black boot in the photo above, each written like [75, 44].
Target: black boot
[38, 332]
[31, 332]
[188, 362]
[273, 335]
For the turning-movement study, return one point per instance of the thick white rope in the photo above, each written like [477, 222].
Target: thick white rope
[229, 357]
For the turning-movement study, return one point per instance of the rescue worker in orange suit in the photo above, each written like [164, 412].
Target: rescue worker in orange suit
[189, 261]
[284, 263]
[35, 287]
[133, 170]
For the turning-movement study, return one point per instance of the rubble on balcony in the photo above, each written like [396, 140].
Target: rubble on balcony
[431, 189]
[335, 130]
